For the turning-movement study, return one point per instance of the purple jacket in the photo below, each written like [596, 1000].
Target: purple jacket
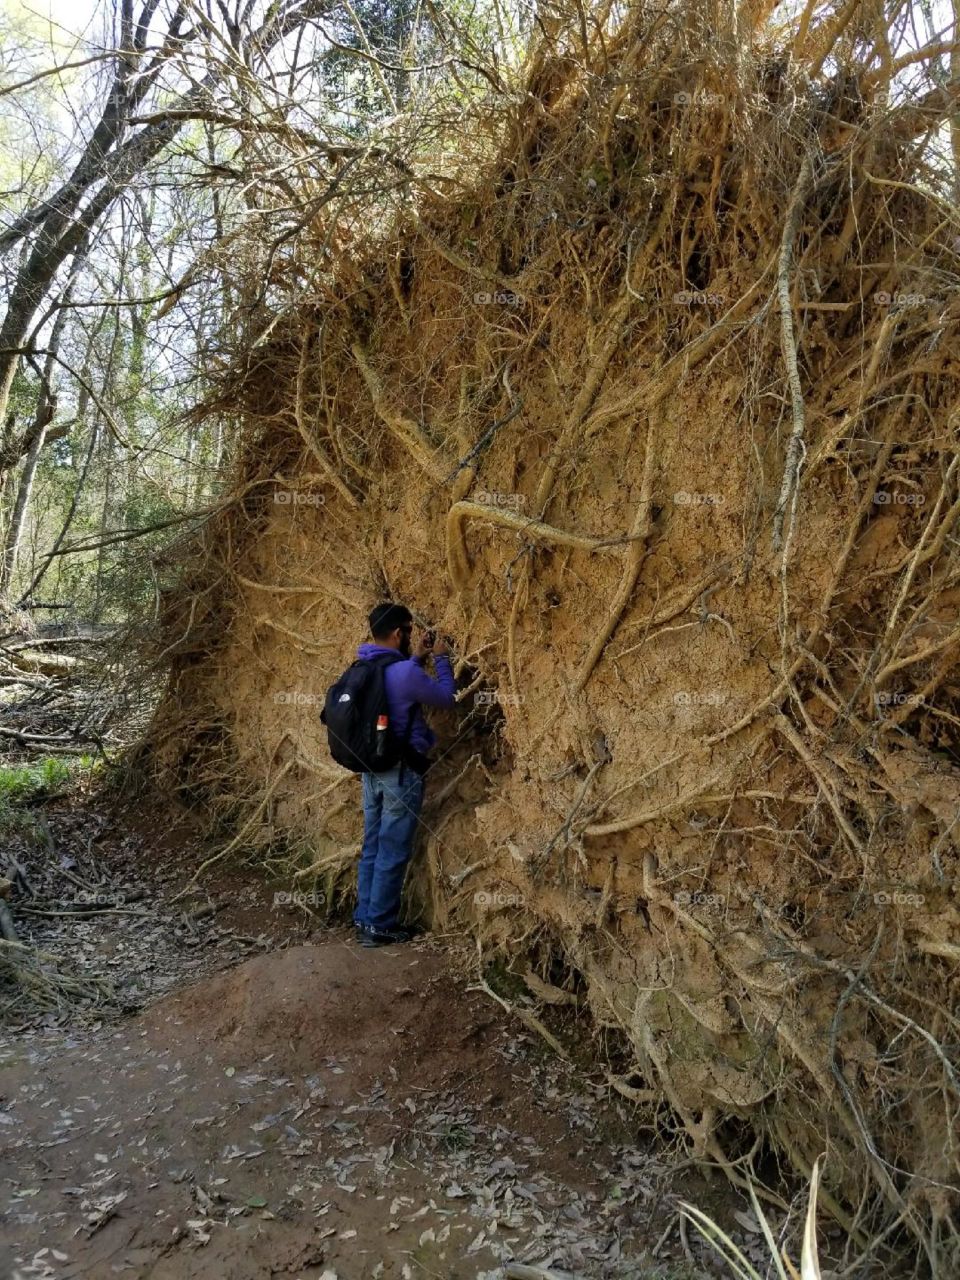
[408, 686]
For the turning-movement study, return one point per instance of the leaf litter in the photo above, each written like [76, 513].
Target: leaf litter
[247, 1105]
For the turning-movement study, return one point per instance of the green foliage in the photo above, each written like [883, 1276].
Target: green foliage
[22, 784]
[24, 394]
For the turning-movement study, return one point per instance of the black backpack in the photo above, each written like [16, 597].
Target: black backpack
[353, 709]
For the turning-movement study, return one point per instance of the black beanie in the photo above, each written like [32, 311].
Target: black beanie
[387, 617]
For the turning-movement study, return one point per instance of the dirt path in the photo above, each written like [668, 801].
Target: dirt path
[316, 1108]
[296, 1106]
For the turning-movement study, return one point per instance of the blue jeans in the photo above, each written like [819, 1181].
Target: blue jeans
[390, 814]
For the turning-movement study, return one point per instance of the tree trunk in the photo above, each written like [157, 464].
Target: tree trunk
[8, 564]
[34, 440]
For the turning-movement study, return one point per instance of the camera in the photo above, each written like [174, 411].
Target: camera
[430, 639]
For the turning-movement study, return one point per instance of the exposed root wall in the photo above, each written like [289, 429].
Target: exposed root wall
[703, 552]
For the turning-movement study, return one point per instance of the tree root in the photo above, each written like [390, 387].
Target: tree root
[238, 838]
[329, 471]
[526, 1017]
[458, 561]
[404, 430]
[788, 343]
[631, 570]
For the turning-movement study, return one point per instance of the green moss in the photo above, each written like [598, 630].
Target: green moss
[503, 981]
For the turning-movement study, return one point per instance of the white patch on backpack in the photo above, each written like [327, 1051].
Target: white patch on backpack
[344, 697]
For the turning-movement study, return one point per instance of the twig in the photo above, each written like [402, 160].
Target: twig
[789, 347]
[247, 825]
[526, 1017]
[523, 1271]
[83, 915]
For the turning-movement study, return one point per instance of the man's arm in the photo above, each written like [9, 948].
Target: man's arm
[440, 692]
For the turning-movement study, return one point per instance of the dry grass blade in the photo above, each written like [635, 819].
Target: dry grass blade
[809, 1258]
[718, 1240]
[734, 1256]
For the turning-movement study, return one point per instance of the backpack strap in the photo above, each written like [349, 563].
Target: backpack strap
[384, 659]
[387, 660]
[405, 741]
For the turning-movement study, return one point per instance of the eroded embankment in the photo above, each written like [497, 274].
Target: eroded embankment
[645, 427]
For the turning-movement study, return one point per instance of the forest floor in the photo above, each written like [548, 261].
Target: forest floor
[267, 1099]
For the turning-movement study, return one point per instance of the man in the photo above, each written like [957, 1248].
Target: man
[392, 800]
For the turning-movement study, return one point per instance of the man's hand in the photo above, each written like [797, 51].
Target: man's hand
[428, 642]
[424, 646]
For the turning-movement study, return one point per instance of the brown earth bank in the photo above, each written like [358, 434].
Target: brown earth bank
[655, 413]
[309, 1108]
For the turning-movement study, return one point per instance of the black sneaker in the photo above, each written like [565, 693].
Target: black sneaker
[384, 937]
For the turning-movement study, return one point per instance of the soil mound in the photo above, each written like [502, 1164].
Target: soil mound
[394, 1013]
